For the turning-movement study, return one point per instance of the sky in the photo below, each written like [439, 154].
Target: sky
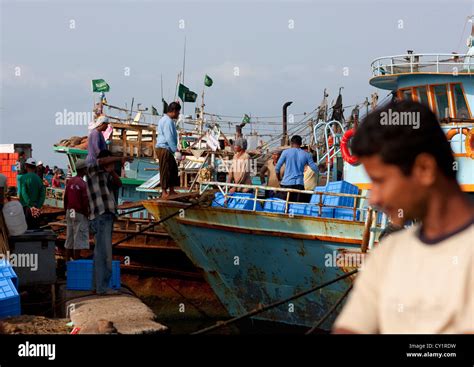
[283, 51]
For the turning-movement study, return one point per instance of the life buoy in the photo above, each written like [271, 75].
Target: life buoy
[452, 132]
[346, 154]
[470, 143]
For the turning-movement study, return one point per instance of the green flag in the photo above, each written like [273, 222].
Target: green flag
[185, 94]
[154, 111]
[99, 85]
[246, 119]
[190, 96]
[207, 81]
[165, 106]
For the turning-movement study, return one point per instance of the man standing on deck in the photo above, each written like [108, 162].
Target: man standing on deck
[96, 141]
[32, 194]
[420, 279]
[76, 204]
[21, 169]
[239, 172]
[166, 146]
[101, 180]
[295, 159]
[269, 169]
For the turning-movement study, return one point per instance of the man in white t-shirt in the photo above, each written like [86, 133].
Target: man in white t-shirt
[418, 280]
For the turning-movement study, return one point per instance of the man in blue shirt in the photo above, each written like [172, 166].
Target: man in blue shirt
[295, 160]
[166, 146]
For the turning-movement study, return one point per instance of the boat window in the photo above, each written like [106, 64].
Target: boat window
[441, 99]
[422, 95]
[460, 105]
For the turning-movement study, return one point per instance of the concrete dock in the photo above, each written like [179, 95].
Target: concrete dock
[116, 314]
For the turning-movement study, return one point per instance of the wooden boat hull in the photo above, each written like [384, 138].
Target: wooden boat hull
[256, 258]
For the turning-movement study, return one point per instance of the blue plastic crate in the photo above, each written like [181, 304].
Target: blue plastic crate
[237, 201]
[310, 210]
[80, 275]
[9, 299]
[341, 187]
[275, 205]
[7, 272]
[315, 197]
[303, 209]
[346, 214]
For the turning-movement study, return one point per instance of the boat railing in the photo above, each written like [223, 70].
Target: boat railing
[323, 131]
[224, 188]
[423, 63]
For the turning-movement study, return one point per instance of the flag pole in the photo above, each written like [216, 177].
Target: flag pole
[201, 123]
[184, 66]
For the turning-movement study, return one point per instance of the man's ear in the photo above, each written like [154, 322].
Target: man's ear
[425, 169]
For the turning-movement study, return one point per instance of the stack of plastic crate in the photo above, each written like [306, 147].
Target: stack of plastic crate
[9, 297]
[239, 200]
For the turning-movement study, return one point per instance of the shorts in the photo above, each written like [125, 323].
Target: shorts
[77, 231]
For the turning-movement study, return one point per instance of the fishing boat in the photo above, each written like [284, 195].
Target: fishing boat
[255, 251]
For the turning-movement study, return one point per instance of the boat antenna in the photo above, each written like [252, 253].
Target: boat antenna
[469, 19]
[184, 66]
[161, 77]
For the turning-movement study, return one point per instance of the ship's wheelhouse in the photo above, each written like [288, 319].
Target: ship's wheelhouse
[447, 100]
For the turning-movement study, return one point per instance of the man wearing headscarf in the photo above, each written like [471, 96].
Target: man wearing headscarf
[96, 141]
[240, 168]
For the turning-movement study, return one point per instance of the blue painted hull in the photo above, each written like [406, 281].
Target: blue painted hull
[247, 269]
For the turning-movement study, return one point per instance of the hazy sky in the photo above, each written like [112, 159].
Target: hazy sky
[57, 47]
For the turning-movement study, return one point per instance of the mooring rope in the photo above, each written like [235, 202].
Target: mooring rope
[330, 311]
[261, 309]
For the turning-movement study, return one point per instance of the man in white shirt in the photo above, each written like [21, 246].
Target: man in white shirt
[418, 280]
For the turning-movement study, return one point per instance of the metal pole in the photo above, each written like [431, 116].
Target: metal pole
[284, 139]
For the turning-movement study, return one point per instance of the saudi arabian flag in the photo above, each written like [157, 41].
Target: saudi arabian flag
[185, 94]
[246, 119]
[207, 81]
[154, 111]
[99, 85]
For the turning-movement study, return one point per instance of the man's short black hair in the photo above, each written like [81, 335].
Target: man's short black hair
[174, 106]
[104, 153]
[296, 139]
[381, 134]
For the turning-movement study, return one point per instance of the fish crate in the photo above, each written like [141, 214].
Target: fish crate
[238, 201]
[275, 205]
[347, 214]
[310, 210]
[80, 275]
[340, 187]
[7, 272]
[9, 299]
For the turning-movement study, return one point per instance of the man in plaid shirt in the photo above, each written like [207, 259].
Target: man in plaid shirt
[102, 180]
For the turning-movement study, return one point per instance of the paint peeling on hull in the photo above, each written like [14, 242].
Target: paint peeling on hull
[250, 259]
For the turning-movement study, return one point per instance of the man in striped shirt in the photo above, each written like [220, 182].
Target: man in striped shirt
[101, 182]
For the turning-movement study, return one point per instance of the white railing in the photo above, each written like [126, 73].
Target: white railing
[330, 151]
[423, 63]
[257, 191]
